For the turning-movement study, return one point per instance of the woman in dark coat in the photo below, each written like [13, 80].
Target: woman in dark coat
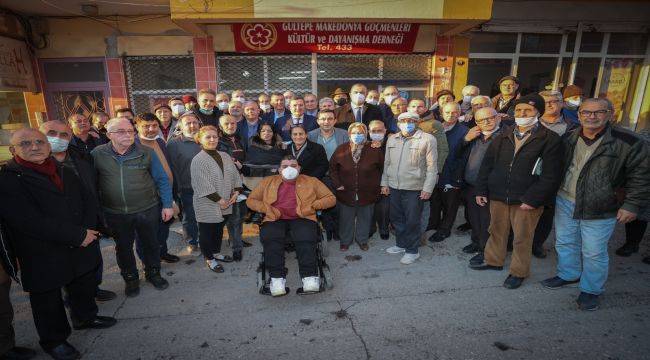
[311, 156]
[355, 169]
[265, 151]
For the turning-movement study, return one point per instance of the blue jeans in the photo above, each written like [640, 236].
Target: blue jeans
[235, 226]
[190, 226]
[581, 247]
[405, 213]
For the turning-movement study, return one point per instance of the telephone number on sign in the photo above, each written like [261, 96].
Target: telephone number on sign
[329, 47]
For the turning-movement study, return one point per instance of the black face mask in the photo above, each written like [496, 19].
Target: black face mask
[341, 101]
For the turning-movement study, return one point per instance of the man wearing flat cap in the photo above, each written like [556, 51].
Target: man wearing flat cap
[340, 97]
[520, 173]
[504, 102]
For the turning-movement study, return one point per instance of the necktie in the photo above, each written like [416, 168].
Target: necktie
[358, 115]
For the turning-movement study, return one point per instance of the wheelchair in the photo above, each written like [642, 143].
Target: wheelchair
[324, 272]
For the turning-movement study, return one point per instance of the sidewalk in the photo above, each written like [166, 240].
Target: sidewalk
[436, 308]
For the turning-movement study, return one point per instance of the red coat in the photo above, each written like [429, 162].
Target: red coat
[358, 180]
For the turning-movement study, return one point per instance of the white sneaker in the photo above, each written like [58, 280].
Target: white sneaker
[311, 284]
[277, 286]
[395, 250]
[409, 259]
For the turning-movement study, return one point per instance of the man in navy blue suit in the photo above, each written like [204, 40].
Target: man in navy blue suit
[297, 117]
[278, 109]
[249, 127]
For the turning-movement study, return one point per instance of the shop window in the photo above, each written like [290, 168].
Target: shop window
[591, 42]
[627, 44]
[488, 42]
[485, 73]
[540, 43]
[74, 71]
[67, 103]
[13, 116]
[152, 77]
[618, 83]
[536, 74]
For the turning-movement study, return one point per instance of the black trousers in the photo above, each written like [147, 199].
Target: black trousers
[544, 226]
[479, 217]
[381, 216]
[634, 231]
[125, 227]
[49, 313]
[443, 206]
[304, 234]
[210, 238]
[7, 335]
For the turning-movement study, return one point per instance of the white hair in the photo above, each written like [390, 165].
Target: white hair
[471, 87]
[480, 98]
[325, 99]
[112, 123]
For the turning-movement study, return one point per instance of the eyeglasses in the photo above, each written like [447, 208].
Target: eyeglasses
[122, 132]
[25, 144]
[587, 113]
[484, 121]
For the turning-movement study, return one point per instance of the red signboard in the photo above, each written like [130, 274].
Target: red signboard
[325, 37]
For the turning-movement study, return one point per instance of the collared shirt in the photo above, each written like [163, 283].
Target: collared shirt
[589, 141]
[355, 109]
[329, 143]
[252, 128]
[297, 121]
[277, 115]
[447, 127]
[530, 130]
[313, 113]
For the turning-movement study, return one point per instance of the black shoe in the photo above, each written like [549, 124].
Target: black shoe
[247, 244]
[627, 250]
[384, 236]
[587, 302]
[18, 353]
[646, 260]
[477, 259]
[513, 282]
[64, 351]
[132, 286]
[539, 252]
[464, 227]
[556, 282]
[153, 276]
[169, 258]
[438, 236]
[471, 249]
[104, 295]
[475, 265]
[99, 322]
[237, 256]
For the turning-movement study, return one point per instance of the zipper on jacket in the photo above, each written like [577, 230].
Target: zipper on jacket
[126, 207]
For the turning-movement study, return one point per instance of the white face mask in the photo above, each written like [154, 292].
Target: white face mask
[241, 99]
[525, 122]
[358, 98]
[373, 101]
[178, 110]
[290, 173]
[389, 99]
[149, 138]
[265, 107]
[376, 137]
[574, 102]
[490, 132]
[223, 105]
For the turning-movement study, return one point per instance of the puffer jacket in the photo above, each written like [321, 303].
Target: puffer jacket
[620, 161]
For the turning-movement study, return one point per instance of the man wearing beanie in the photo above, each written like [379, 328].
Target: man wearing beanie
[190, 102]
[520, 173]
[572, 95]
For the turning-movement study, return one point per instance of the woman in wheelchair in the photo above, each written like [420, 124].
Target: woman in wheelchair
[289, 202]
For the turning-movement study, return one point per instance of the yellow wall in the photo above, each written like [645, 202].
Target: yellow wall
[405, 10]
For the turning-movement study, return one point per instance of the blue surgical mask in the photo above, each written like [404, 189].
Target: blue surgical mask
[206, 112]
[58, 145]
[358, 138]
[407, 127]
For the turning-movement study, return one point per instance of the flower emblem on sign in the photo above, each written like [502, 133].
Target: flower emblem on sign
[259, 37]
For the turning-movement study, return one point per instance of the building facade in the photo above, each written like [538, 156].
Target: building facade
[87, 59]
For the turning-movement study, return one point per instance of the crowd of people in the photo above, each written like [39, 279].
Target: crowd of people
[359, 162]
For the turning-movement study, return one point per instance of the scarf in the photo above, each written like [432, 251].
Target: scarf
[356, 152]
[47, 168]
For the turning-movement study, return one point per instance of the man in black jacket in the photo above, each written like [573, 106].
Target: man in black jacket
[520, 173]
[357, 110]
[208, 112]
[599, 159]
[51, 223]
[58, 135]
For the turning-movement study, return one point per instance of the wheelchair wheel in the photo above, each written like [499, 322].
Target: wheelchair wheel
[260, 281]
[324, 249]
[327, 277]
